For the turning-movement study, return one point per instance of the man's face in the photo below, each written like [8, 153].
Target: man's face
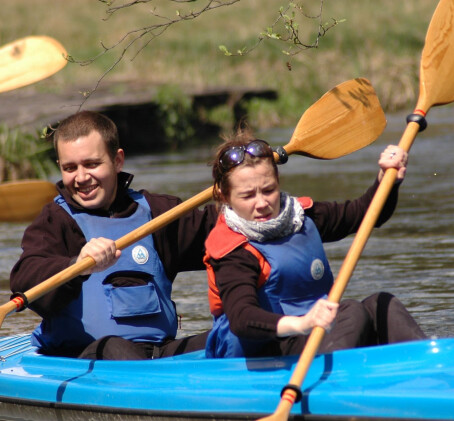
[88, 172]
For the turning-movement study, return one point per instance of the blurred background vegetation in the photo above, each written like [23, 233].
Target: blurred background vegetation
[379, 40]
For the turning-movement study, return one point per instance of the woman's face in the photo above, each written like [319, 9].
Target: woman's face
[254, 192]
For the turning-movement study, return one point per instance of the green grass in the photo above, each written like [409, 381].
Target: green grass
[379, 40]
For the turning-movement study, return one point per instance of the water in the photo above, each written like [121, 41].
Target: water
[412, 256]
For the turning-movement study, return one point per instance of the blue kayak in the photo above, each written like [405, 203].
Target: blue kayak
[413, 380]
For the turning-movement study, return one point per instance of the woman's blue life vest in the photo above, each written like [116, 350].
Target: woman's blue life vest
[299, 275]
[142, 312]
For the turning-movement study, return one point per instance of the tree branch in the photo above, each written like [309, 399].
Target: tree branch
[287, 21]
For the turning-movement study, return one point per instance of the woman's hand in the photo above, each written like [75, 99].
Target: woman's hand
[321, 314]
[103, 251]
[393, 157]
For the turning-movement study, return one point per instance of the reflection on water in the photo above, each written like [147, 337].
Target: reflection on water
[411, 256]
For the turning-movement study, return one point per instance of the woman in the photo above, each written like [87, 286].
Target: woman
[268, 274]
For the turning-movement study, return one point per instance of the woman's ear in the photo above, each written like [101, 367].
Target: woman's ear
[223, 199]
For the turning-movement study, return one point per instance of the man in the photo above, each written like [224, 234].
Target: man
[121, 308]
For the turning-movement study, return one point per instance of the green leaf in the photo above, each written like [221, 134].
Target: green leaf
[224, 49]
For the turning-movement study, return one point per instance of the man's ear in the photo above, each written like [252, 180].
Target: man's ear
[119, 160]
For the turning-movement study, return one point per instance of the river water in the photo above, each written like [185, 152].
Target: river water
[412, 256]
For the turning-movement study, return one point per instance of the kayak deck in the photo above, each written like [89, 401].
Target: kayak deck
[403, 381]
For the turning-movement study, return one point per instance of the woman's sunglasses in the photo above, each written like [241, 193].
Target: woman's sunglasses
[235, 155]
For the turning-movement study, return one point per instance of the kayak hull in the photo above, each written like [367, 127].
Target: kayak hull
[412, 380]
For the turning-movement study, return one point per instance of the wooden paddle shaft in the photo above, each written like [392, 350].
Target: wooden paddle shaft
[315, 338]
[356, 249]
[164, 219]
[155, 224]
[77, 268]
[370, 219]
[346, 270]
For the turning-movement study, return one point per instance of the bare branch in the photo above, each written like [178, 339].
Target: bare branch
[287, 22]
[146, 34]
[288, 18]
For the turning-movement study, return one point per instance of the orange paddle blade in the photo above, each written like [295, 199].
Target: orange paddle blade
[345, 119]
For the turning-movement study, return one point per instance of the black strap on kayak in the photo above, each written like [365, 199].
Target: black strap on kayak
[295, 388]
[283, 156]
[418, 118]
[20, 300]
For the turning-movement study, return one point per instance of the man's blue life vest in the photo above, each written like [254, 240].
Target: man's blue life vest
[142, 312]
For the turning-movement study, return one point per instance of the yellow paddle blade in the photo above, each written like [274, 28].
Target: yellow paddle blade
[22, 201]
[345, 119]
[436, 83]
[29, 60]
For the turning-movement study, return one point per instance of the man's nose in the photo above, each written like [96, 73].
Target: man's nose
[81, 175]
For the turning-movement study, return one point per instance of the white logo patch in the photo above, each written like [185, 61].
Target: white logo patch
[140, 255]
[317, 269]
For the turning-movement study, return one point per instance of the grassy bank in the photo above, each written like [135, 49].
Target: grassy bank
[381, 41]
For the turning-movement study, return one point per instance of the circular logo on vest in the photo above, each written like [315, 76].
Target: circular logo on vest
[140, 255]
[317, 269]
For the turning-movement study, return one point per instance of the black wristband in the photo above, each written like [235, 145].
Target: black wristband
[295, 388]
[21, 301]
[418, 118]
[283, 157]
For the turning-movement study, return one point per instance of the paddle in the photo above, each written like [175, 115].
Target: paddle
[22, 62]
[23, 200]
[28, 60]
[345, 119]
[436, 88]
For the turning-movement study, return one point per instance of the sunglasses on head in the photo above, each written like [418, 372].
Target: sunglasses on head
[235, 155]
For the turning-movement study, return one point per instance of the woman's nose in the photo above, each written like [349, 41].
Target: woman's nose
[261, 202]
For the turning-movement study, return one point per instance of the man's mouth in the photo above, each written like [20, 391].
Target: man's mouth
[85, 191]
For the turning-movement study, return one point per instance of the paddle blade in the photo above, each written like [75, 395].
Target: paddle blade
[345, 119]
[437, 61]
[29, 60]
[21, 201]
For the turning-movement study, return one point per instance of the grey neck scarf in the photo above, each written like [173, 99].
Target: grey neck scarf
[289, 221]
